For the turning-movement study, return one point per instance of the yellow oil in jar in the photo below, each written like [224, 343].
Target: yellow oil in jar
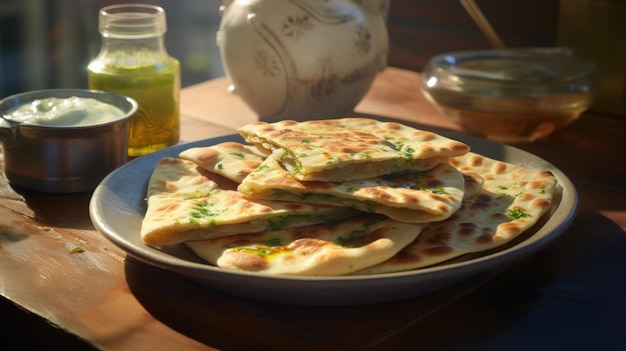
[156, 88]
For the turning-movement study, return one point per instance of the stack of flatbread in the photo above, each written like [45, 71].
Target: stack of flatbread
[347, 196]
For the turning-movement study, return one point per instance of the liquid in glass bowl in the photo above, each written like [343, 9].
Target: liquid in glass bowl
[510, 95]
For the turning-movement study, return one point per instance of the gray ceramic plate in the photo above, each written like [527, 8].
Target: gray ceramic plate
[117, 209]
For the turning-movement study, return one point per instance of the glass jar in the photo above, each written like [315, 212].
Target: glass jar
[133, 61]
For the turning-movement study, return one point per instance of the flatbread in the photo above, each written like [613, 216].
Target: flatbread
[426, 196]
[513, 199]
[350, 148]
[184, 203]
[230, 159]
[322, 250]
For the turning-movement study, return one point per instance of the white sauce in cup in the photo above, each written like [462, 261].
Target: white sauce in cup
[72, 111]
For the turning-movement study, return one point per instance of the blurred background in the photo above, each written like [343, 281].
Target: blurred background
[48, 43]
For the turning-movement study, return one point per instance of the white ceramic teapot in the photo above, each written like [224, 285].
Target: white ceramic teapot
[302, 59]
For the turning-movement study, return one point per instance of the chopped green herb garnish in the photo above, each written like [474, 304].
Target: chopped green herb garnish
[261, 250]
[309, 143]
[357, 233]
[439, 191]
[334, 160]
[408, 152]
[261, 167]
[277, 223]
[238, 154]
[77, 249]
[203, 211]
[517, 214]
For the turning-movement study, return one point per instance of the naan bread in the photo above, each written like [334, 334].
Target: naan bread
[288, 204]
[331, 249]
[185, 203]
[351, 148]
[427, 196]
[513, 198]
[230, 159]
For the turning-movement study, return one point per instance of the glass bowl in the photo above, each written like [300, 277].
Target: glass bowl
[510, 95]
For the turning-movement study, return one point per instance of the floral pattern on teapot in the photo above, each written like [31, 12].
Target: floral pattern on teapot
[302, 59]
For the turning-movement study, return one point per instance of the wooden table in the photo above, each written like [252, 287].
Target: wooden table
[571, 296]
